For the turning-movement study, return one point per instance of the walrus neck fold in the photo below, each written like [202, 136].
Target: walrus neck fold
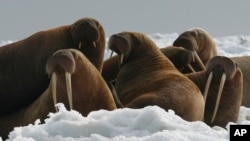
[135, 68]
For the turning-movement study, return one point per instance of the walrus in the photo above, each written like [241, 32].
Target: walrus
[146, 77]
[22, 74]
[243, 62]
[199, 41]
[75, 82]
[219, 110]
[180, 57]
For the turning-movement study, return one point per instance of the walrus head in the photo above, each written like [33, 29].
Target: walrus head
[120, 44]
[130, 44]
[229, 67]
[55, 67]
[88, 36]
[179, 56]
[186, 43]
[86, 31]
[190, 43]
[77, 83]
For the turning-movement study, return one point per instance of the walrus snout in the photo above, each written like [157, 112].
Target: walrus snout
[223, 64]
[85, 31]
[190, 44]
[119, 43]
[61, 60]
[179, 56]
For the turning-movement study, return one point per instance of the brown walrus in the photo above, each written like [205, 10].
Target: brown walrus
[22, 64]
[146, 77]
[228, 104]
[244, 65]
[74, 80]
[200, 41]
[180, 57]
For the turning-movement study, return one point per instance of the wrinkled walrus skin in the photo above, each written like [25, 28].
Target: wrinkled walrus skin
[180, 57]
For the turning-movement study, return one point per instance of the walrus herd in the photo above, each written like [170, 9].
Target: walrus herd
[66, 64]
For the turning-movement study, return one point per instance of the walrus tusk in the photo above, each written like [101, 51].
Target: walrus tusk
[121, 59]
[222, 82]
[114, 94]
[191, 68]
[209, 79]
[199, 60]
[53, 83]
[80, 45]
[111, 54]
[94, 44]
[69, 89]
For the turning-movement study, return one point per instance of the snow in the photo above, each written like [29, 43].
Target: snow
[147, 124]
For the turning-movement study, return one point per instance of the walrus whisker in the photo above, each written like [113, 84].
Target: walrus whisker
[209, 79]
[94, 44]
[80, 45]
[197, 58]
[191, 68]
[53, 83]
[69, 89]
[222, 82]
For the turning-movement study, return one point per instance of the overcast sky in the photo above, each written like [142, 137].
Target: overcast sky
[21, 18]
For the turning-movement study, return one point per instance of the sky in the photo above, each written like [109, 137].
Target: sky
[21, 18]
